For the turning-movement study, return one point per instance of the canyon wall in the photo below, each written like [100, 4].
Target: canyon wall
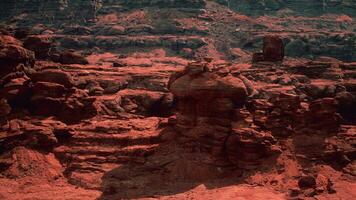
[50, 11]
[308, 28]
[86, 9]
[304, 7]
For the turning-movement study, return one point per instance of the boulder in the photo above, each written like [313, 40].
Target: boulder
[13, 55]
[68, 57]
[47, 89]
[38, 44]
[307, 182]
[246, 147]
[22, 161]
[53, 76]
[5, 108]
[273, 48]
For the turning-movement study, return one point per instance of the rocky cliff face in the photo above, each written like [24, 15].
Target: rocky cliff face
[51, 11]
[311, 35]
[81, 10]
[87, 9]
[312, 8]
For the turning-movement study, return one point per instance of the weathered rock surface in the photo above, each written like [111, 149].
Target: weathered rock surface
[115, 107]
[301, 6]
[209, 116]
[273, 49]
[53, 76]
[12, 55]
[40, 45]
[68, 57]
[164, 3]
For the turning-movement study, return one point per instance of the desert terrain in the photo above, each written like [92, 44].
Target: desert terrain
[177, 99]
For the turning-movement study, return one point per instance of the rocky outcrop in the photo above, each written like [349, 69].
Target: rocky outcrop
[21, 162]
[279, 114]
[300, 6]
[110, 43]
[68, 57]
[285, 115]
[164, 3]
[40, 45]
[273, 50]
[53, 76]
[248, 148]
[52, 11]
[12, 54]
[46, 92]
[53, 95]
[209, 115]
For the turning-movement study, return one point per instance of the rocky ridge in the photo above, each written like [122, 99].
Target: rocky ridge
[207, 28]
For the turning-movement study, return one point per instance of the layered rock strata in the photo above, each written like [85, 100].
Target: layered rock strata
[211, 118]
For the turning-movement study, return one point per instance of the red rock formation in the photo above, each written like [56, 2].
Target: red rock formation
[53, 76]
[40, 45]
[12, 55]
[68, 57]
[273, 48]
[100, 119]
[248, 148]
[52, 94]
[207, 119]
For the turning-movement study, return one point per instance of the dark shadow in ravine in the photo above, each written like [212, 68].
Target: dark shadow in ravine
[172, 170]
